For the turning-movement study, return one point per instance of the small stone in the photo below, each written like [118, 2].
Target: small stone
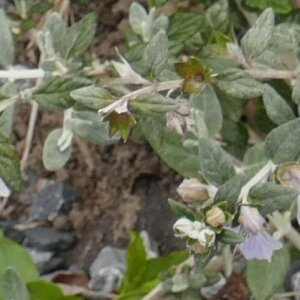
[107, 270]
[12, 233]
[48, 239]
[55, 199]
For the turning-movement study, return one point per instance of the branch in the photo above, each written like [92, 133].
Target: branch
[274, 74]
[22, 74]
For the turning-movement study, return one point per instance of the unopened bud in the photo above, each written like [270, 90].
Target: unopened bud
[215, 217]
[288, 175]
[191, 190]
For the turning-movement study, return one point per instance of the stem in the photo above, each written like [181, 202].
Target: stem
[22, 74]
[262, 174]
[158, 87]
[30, 131]
[275, 74]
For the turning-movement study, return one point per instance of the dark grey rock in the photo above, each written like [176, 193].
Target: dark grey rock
[292, 281]
[4, 4]
[12, 233]
[48, 239]
[55, 199]
[46, 261]
[107, 270]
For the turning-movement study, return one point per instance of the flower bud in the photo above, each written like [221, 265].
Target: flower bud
[206, 237]
[215, 217]
[288, 175]
[191, 190]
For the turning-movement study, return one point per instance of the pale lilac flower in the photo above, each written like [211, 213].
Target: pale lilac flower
[259, 244]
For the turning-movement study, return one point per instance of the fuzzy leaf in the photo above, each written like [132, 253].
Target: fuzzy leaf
[218, 15]
[12, 287]
[180, 209]
[238, 84]
[277, 108]
[53, 158]
[255, 156]
[208, 102]
[10, 170]
[77, 38]
[54, 93]
[230, 237]
[283, 144]
[92, 97]
[168, 146]
[215, 164]
[264, 287]
[279, 6]
[271, 196]
[255, 41]
[153, 103]
[137, 15]
[156, 54]
[7, 53]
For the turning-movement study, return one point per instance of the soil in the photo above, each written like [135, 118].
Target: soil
[123, 187]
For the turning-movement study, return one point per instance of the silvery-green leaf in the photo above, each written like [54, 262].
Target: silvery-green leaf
[169, 147]
[137, 15]
[88, 125]
[215, 163]
[92, 97]
[230, 190]
[153, 103]
[77, 38]
[265, 278]
[54, 92]
[12, 287]
[156, 54]
[283, 144]
[4, 189]
[277, 108]
[238, 84]
[23, 6]
[160, 23]
[7, 118]
[270, 197]
[207, 101]
[296, 92]
[200, 125]
[57, 27]
[218, 15]
[10, 170]
[255, 156]
[255, 41]
[53, 158]
[7, 51]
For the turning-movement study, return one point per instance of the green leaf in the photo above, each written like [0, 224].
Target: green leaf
[53, 157]
[279, 6]
[54, 93]
[168, 146]
[156, 3]
[282, 143]
[92, 97]
[88, 125]
[277, 108]
[156, 54]
[238, 84]
[296, 92]
[7, 121]
[264, 287]
[256, 40]
[230, 190]
[7, 53]
[230, 237]
[271, 197]
[207, 101]
[180, 209]
[255, 156]
[44, 290]
[215, 163]
[136, 263]
[12, 287]
[10, 170]
[153, 103]
[23, 6]
[14, 256]
[217, 15]
[77, 38]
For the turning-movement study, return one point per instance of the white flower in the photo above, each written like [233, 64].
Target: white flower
[195, 230]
